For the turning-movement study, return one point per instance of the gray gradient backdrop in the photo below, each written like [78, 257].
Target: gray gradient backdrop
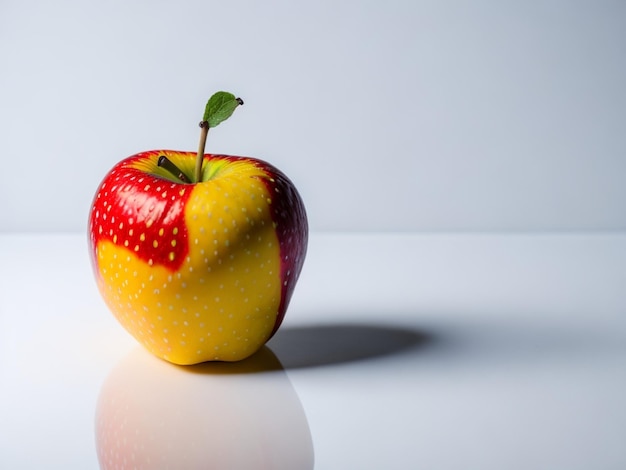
[388, 115]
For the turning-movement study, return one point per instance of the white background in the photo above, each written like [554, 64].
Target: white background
[419, 116]
[388, 115]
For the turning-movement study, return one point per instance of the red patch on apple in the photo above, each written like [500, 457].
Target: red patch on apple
[143, 213]
[289, 215]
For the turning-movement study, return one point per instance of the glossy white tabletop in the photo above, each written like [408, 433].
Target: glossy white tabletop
[398, 351]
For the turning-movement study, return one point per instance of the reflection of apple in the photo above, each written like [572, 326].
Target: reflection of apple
[243, 415]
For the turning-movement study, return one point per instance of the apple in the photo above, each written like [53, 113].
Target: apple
[197, 255]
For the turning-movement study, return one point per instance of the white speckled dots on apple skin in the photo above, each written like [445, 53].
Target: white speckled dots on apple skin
[222, 302]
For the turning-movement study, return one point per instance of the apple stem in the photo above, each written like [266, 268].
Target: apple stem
[204, 131]
[168, 165]
[219, 108]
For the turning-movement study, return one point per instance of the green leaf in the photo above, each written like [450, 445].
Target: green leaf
[220, 107]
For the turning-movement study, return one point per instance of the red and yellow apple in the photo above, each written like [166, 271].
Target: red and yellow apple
[197, 268]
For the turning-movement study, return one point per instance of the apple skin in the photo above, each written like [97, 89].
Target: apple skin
[197, 272]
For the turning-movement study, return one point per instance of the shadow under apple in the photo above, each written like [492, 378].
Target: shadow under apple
[331, 344]
[152, 414]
